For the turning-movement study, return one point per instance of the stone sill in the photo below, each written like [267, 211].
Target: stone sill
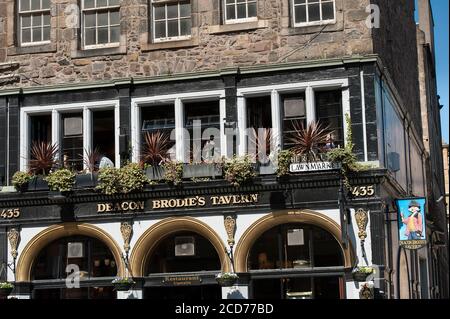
[237, 27]
[170, 44]
[32, 49]
[98, 52]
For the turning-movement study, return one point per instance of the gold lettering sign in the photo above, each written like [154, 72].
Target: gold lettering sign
[121, 206]
[10, 213]
[181, 280]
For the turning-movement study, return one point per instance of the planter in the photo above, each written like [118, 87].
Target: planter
[155, 173]
[360, 276]
[123, 286]
[86, 180]
[201, 170]
[38, 183]
[5, 292]
[267, 169]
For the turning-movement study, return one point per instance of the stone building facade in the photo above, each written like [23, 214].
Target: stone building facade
[329, 61]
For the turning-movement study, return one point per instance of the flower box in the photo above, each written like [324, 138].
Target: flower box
[37, 183]
[201, 170]
[155, 173]
[86, 180]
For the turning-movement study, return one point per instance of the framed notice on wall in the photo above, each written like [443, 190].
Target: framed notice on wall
[411, 222]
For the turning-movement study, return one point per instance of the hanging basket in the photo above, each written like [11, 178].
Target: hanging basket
[227, 280]
[360, 274]
[123, 284]
[5, 292]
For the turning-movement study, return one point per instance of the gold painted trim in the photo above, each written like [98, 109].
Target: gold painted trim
[52, 233]
[286, 217]
[148, 241]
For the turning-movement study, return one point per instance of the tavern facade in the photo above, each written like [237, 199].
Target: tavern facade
[87, 75]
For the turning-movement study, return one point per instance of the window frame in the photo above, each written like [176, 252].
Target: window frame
[56, 111]
[313, 23]
[275, 91]
[32, 13]
[107, 9]
[177, 100]
[164, 3]
[239, 20]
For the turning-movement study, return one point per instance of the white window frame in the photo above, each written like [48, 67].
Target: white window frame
[178, 101]
[33, 13]
[97, 9]
[56, 111]
[313, 23]
[241, 20]
[164, 3]
[275, 91]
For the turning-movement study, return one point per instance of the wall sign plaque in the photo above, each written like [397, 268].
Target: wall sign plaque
[181, 280]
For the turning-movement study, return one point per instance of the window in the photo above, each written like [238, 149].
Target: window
[79, 131]
[171, 20]
[313, 12]
[100, 23]
[240, 10]
[329, 114]
[294, 115]
[34, 22]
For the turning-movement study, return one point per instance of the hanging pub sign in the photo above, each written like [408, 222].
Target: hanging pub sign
[411, 223]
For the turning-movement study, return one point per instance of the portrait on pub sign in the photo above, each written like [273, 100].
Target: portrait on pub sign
[411, 219]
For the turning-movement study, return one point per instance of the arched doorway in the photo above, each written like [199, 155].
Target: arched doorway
[294, 255]
[71, 261]
[179, 259]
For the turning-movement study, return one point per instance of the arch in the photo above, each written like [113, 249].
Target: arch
[155, 234]
[251, 235]
[52, 233]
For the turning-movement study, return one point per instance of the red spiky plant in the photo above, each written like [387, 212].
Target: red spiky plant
[309, 141]
[43, 157]
[156, 148]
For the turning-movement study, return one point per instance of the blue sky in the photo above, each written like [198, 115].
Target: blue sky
[440, 11]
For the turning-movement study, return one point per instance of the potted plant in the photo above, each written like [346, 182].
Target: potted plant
[61, 180]
[284, 162]
[308, 142]
[108, 181]
[173, 172]
[43, 160]
[155, 151]
[131, 178]
[5, 289]
[360, 274]
[239, 170]
[20, 180]
[89, 178]
[227, 279]
[123, 284]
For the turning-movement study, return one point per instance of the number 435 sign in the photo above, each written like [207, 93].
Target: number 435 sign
[9, 213]
[363, 191]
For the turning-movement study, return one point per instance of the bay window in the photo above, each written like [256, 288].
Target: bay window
[34, 22]
[313, 12]
[171, 20]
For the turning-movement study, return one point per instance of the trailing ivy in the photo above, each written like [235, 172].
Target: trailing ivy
[61, 180]
[284, 162]
[345, 156]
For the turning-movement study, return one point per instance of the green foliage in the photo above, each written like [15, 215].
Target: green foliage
[346, 157]
[127, 179]
[173, 172]
[131, 178]
[108, 181]
[239, 170]
[284, 162]
[61, 180]
[20, 178]
[6, 285]
[364, 270]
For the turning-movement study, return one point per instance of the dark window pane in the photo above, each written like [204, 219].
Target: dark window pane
[114, 17]
[252, 9]
[89, 36]
[185, 9]
[24, 5]
[89, 3]
[231, 13]
[46, 19]
[103, 35]
[102, 18]
[37, 34]
[36, 20]
[114, 2]
[241, 11]
[160, 12]
[327, 11]
[46, 36]
[35, 4]
[314, 12]
[172, 11]
[300, 14]
[26, 35]
[89, 19]
[45, 4]
[26, 21]
[230, 1]
[172, 26]
[299, 1]
[102, 3]
[185, 26]
[115, 34]
[160, 29]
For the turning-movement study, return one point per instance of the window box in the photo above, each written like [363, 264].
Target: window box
[201, 170]
[37, 183]
[267, 169]
[86, 180]
[155, 173]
